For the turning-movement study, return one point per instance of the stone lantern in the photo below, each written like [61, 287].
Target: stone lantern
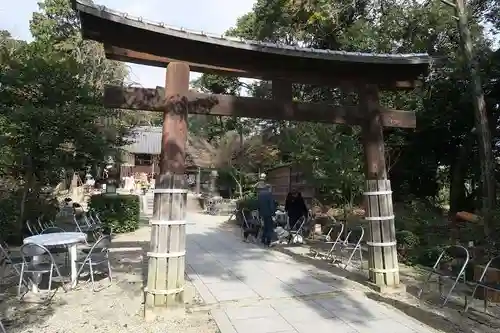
[213, 182]
[112, 180]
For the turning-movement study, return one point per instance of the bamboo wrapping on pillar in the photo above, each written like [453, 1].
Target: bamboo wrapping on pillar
[165, 285]
[382, 255]
[382, 247]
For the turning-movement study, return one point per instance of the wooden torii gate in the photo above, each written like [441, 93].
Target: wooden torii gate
[136, 40]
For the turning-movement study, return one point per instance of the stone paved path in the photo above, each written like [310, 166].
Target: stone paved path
[256, 290]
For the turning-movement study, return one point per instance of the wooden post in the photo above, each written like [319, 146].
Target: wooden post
[283, 92]
[165, 285]
[198, 181]
[382, 251]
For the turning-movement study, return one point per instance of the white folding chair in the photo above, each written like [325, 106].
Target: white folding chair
[32, 229]
[297, 231]
[98, 255]
[29, 252]
[351, 247]
[43, 224]
[485, 285]
[338, 240]
[244, 225]
[7, 260]
[456, 252]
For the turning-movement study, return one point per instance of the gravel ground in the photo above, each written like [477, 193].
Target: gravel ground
[116, 307]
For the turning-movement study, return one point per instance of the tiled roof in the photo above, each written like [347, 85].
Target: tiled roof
[222, 40]
[147, 140]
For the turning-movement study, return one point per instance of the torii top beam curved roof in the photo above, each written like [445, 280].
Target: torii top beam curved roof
[158, 44]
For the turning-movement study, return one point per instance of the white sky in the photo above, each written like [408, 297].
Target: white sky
[213, 16]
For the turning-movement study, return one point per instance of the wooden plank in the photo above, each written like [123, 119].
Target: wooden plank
[392, 231]
[148, 59]
[126, 55]
[149, 298]
[134, 98]
[173, 262]
[181, 264]
[375, 255]
[163, 241]
[388, 252]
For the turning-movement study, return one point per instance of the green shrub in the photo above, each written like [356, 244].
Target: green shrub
[119, 213]
[407, 245]
[248, 202]
[428, 256]
[9, 224]
[422, 229]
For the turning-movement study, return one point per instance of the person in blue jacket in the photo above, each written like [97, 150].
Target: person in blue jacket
[267, 209]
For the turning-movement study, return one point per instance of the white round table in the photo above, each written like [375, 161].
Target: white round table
[69, 239]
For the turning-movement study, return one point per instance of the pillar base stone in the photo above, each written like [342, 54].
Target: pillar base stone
[388, 290]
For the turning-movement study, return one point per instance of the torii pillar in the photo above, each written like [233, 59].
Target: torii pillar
[382, 248]
[166, 267]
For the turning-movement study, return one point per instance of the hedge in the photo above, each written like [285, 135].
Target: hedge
[119, 213]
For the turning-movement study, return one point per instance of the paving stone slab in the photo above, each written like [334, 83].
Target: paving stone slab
[384, 325]
[262, 325]
[251, 312]
[325, 326]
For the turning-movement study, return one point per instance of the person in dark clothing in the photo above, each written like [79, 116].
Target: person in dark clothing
[295, 207]
[267, 209]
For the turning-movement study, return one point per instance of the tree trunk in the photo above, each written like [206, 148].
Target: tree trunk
[240, 178]
[238, 183]
[488, 180]
[26, 189]
[457, 176]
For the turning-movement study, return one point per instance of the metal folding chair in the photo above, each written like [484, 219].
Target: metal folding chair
[334, 243]
[455, 252]
[297, 231]
[33, 263]
[43, 224]
[485, 285]
[32, 229]
[350, 247]
[52, 230]
[85, 226]
[6, 260]
[244, 225]
[94, 217]
[98, 254]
